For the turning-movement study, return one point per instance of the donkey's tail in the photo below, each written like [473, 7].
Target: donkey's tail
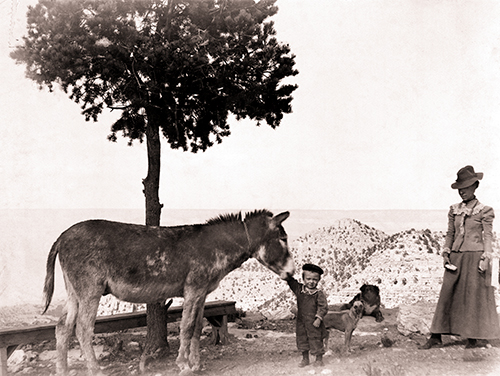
[48, 288]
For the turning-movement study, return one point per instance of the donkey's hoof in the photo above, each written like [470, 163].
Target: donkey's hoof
[186, 372]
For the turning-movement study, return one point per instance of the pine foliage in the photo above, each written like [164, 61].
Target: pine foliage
[184, 64]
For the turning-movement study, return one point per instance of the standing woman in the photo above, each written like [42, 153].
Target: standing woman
[466, 305]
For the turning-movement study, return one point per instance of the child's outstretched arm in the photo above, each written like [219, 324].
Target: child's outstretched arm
[294, 284]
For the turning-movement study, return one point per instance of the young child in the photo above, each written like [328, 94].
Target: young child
[311, 309]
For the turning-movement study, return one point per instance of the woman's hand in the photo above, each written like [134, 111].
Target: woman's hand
[446, 257]
[484, 264]
[317, 322]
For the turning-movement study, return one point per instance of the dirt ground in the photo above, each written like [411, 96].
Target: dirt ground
[266, 348]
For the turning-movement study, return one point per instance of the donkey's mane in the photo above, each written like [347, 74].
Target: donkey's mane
[237, 217]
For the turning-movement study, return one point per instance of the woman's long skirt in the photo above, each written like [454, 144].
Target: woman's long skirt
[466, 305]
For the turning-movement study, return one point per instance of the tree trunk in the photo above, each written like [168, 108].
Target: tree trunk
[156, 337]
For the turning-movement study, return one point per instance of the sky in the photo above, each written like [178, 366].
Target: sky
[394, 98]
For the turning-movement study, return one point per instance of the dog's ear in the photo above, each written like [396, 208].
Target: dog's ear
[376, 289]
[363, 288]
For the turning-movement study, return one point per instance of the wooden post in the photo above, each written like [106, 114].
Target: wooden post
[3, 361]
[5, 353]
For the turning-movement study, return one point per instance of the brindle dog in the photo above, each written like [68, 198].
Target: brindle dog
[148, 264]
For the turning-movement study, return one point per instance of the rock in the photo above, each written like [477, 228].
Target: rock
[16, 361]
[254, 317]
[15, 368]
[17, 357]
[47, 355]
[31, 356]
[42, 320]
[474, 355]
[207, 330]
[415, 318]
[282, 314]
[75, 354]
[134, 346]
[99, 350]
[104, 355]
[386, 340]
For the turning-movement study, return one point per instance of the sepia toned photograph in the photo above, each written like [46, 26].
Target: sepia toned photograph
[249, 187]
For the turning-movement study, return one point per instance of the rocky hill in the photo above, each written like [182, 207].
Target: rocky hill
[342, 250]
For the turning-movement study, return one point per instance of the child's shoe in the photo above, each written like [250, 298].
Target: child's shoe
[305, 359]
[319, 361]
[303, 363]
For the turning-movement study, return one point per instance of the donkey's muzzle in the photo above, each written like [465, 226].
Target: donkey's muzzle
[288, 269]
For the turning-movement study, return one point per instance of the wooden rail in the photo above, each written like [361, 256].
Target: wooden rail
[215, 312]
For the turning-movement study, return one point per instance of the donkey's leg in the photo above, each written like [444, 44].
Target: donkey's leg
[87, 312]
[194, 302]
[64, 330]
[194, 354]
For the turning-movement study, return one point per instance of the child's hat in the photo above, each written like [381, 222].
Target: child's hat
[313, 268]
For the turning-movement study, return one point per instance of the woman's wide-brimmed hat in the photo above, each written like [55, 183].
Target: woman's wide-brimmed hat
[466, 176]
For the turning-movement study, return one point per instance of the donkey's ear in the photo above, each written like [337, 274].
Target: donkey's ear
[278, 219]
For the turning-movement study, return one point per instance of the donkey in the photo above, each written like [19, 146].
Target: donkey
[149, 264]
